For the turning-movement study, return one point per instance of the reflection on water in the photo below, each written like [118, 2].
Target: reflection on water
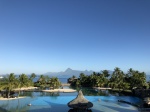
[35, 94]
[103, 101]
[59, 104]
[92, 92]
[15, 105]
[75, 110]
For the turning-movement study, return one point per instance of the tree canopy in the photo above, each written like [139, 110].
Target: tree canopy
[116, 79]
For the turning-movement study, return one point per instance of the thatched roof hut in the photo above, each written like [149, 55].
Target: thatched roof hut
[80, 102]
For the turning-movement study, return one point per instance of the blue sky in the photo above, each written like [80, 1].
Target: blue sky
[51, 35]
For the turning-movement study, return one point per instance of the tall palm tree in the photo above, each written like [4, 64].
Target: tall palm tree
[106, 73]
[136, 78]
[42, 81]
[83, 79]
[32, 76]
[31, 79]
[23, 81]
[117, 78]
[54, 82]
[9, 83]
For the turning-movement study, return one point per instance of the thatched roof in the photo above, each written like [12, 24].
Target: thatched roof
[80, 102]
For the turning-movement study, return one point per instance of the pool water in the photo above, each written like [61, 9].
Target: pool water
[59, 104]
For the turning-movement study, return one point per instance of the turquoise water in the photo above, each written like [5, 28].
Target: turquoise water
[59, 104]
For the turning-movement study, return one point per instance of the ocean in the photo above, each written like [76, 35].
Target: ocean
[62, 80]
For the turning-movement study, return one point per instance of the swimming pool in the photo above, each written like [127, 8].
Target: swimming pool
[59, 104]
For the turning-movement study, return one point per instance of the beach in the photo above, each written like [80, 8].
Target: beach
[26, 88]
[60, 90]
[11, 98]
[36, 89]
[51, 90]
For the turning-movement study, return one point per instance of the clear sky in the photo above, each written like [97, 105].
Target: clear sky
[51, 35]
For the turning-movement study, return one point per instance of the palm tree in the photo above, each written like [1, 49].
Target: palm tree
[117, 78]
[105, 73]
[9, 83]
[31, 78]
[42, 81]
[74, 77]
[92, 80]
[23, 81]
[136, 78]
[82, 75]
[47, 78]
[77, 83]
[54, 82]
[83, 79]
[33, 75]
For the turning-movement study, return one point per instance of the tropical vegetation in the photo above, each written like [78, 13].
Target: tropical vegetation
[117, 79]
[9, 83]
[47, 82]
